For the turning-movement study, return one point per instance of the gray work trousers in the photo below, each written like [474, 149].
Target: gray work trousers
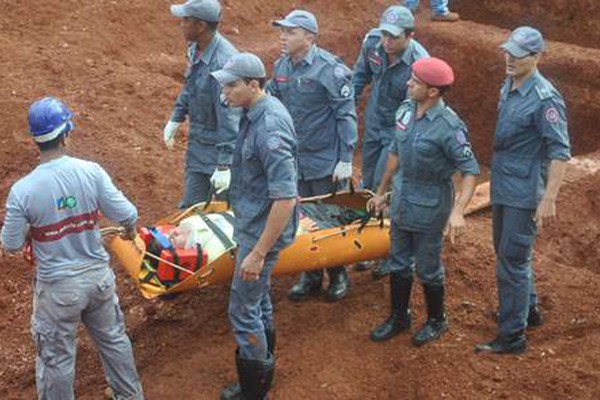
[58, 309]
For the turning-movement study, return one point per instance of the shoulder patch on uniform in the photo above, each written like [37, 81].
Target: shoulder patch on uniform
[274, 141]
[467, 152]
[552, 115]
[543, 92]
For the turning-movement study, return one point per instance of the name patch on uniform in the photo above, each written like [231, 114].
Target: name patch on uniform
[374, 58]
[345, 91]
[273, 142]
[281, 79]
[552, 115]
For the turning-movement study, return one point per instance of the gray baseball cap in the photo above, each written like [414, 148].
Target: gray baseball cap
[240, 66]
[299, 19]
[523, 41]
[205, 10]
[396, 19]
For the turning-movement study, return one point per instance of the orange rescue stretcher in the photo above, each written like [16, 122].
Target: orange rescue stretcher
[166, 271]
[177, 270]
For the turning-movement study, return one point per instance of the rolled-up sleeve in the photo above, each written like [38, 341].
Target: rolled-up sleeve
[458, 149]
[552, 123]
[277, 156]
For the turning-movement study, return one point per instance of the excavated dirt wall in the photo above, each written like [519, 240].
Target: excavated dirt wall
[570, 21]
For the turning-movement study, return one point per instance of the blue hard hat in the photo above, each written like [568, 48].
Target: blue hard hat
[49, 118]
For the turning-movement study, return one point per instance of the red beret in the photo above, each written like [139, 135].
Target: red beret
[433, 71]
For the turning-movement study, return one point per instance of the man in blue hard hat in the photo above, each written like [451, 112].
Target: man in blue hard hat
[57, 206]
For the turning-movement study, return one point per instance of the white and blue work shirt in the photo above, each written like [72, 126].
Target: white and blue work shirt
[58, 206]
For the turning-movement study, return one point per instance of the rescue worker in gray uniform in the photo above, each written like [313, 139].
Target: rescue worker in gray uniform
[263, 197]
[316, 88]
[385, 60]
[57, 206]
[429, 147]
[531, 148]
[212, 125]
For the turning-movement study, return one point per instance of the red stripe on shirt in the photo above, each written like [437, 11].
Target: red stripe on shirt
[58, 230]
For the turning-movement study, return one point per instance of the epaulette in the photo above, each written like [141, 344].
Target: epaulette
[373, 33]
[543, 91]
[452, 118]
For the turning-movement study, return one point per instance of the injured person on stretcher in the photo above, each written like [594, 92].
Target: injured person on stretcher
[195, 248]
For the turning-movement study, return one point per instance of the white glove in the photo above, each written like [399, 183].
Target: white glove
[169, 133]
[342, 171]
[221, 179]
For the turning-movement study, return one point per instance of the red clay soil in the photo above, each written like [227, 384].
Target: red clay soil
[119, 64]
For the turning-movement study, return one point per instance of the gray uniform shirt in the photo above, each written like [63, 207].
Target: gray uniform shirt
[530, 132]
[264, 169]
[318, 93]
[430, 150]
[213, 125]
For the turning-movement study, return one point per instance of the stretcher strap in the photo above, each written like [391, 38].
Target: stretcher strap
[225, 241]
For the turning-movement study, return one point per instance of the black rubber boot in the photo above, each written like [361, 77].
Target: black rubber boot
[534, 318]
[309, 283]
[234, 391]
[511, 344]
[255, 378]
[437, 322]
[338, 284]
[399, 319]
[381, 270]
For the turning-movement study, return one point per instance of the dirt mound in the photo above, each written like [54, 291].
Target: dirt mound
[119, 65]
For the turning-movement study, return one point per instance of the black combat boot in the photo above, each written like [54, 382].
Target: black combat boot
[437, 322]
[255, 378]
[309, 283]
[338, 284]
[515, 343]
[399, 319]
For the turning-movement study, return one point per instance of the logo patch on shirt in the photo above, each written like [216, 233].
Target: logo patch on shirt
[345, 91]
[552, 115]
[273, 142]
[66, 202]
[281, 79]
